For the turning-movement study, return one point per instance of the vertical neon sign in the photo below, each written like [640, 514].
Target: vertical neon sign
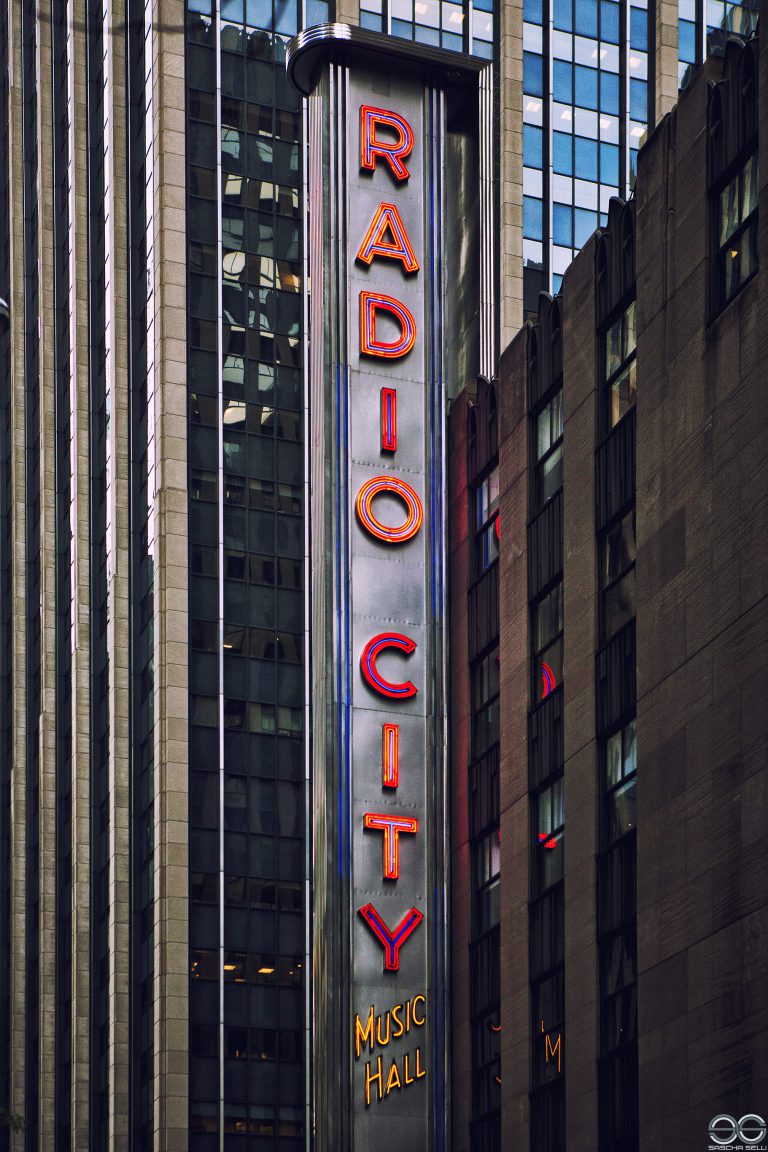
[379, 300]
[392, 478]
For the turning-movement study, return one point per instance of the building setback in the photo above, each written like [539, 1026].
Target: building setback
[633, 643]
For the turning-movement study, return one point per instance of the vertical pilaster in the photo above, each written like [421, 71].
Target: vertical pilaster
[171, 641]
[81, 593]
[117, 533]
[19, 660]
[47, 785]
[510, 231]
[666, 63]
[580, 578]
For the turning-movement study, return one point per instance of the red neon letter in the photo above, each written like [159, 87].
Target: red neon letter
[390, 755]
[388, 419]
[391, 941]
[374, 678]
[410, 525]
[398, 247]
[371, 146]
[370, 344]
[391, 826]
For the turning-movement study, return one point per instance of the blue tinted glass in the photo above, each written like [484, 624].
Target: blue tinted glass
[687, 42]
[585, 158]
[584, 224]
[562, 153]
[562, 227]
[562, 81]
[532, 11]
[609, 164]
[286, 16]
[632, 165]
[638, 28]
[532, 217]
[563, 15]
[586, 18]
[609, 22]
[482, 48]
[317, 13]
[532, 74]
[403, 29]
[532, 137]
[586, 87]
[556, 283]
[427, 35]
[609, 93]
[638, 100]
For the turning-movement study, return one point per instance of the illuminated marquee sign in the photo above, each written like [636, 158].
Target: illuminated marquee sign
[379, 299]
[387, 263]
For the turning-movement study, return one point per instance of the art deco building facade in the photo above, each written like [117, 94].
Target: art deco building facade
[616, 461]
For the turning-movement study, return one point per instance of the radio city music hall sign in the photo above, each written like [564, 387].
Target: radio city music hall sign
[383, 166]
[387, 331]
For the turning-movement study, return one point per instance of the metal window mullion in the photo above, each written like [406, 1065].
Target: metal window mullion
[220, 558]
[548, 142]
[624, 103]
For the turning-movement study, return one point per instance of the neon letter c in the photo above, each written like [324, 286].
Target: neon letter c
[373, 677]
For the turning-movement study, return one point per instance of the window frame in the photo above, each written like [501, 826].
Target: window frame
[745, 229]
[628, 361]
[607, 586]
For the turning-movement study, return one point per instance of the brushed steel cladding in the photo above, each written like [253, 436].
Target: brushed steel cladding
[363, 587]
[401, 575]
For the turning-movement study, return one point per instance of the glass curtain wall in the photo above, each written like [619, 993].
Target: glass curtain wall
[585, 111]
[704, 24]
[246, 557]
[6, 618]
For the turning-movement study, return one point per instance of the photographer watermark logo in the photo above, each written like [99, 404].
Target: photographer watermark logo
[744, 1135]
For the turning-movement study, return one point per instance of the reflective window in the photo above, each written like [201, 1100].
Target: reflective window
[618, 575]
[547, 636]
[486, 539]
[549, 805]
[620, 783]
[548, 453]
[620, 365]
[737, 231]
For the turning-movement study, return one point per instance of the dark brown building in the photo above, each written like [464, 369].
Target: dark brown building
[625, 780]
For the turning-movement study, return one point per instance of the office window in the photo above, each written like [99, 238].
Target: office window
[617, 575]
[562, 153]
[548, 449]
[620, 799]
[733, 178]
[562, 224]
[485, 704]
[549, 817]
[486, 861]
[532, 146]
[620, 365]
[486, 516]
[532, 218]
[547, 643]
[533, 75]
[618, 964]
[736, 208]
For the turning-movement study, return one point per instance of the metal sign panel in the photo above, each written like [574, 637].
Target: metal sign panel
[377, 138]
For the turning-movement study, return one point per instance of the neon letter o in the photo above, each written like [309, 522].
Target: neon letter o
[413, 521]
